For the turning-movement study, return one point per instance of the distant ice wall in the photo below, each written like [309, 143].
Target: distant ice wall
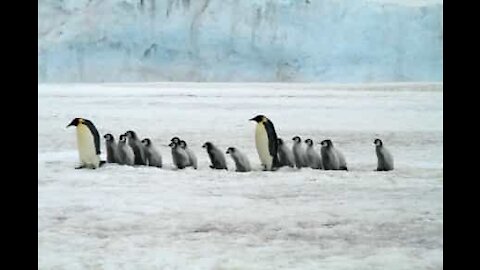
[236, 40]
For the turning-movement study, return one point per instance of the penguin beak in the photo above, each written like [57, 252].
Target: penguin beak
[71, 124]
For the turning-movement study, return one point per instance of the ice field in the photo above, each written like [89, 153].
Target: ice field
[121, 217]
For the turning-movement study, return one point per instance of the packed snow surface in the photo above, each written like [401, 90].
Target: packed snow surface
[121, 217]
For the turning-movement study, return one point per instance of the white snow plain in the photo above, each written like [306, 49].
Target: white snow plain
[121, 217]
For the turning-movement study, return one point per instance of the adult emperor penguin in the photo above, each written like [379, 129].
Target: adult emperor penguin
[241, 161]
[192, 159]
[137, 147]
[285, 155]
[332, 158]
[152, 156]
[385, 159]
[179, 156]
[299, 153]
[112, 148]
[125, 152]
[266, 142]
[216, 156]
[88, 143]
[313, 157]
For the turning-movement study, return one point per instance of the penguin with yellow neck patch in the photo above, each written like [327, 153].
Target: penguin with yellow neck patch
[88, 143]
[266, 142]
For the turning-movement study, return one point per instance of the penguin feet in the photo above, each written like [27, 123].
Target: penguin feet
[80, 167]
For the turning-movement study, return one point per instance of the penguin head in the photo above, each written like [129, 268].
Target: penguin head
[259, 118]
[279, 141]
[75, 122]
[297, 139]
[326, 143]
[109, 137]
[146, 142]
[378, 142]
[182, 144]
[309, 142]
[122, 138]
[131, 134]
[207, 145]
[175, 139]
[230, 150]
[173, 145]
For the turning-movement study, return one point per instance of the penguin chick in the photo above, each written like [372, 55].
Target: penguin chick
[216, 156]
[179, 156]
[125, 152]
[299, 153]
[192, 159]
[112, 148]
[332, 158]
[385, 159]
[175, 140]
[241, 160]
[137, 147]
[313, 157]
[285, 154]
[152, 156]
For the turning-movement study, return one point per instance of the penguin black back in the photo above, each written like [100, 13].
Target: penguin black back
[272, 142]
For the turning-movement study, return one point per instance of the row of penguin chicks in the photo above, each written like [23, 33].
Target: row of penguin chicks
[136, 152]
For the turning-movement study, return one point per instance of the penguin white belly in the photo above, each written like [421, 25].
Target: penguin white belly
[86, 147]
[261, 141]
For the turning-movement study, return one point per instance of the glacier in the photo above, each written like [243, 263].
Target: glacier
[349, 41]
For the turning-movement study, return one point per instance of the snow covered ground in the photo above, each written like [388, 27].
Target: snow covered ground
[121, 217]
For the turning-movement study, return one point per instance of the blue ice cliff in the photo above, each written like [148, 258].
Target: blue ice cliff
[344, 41]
